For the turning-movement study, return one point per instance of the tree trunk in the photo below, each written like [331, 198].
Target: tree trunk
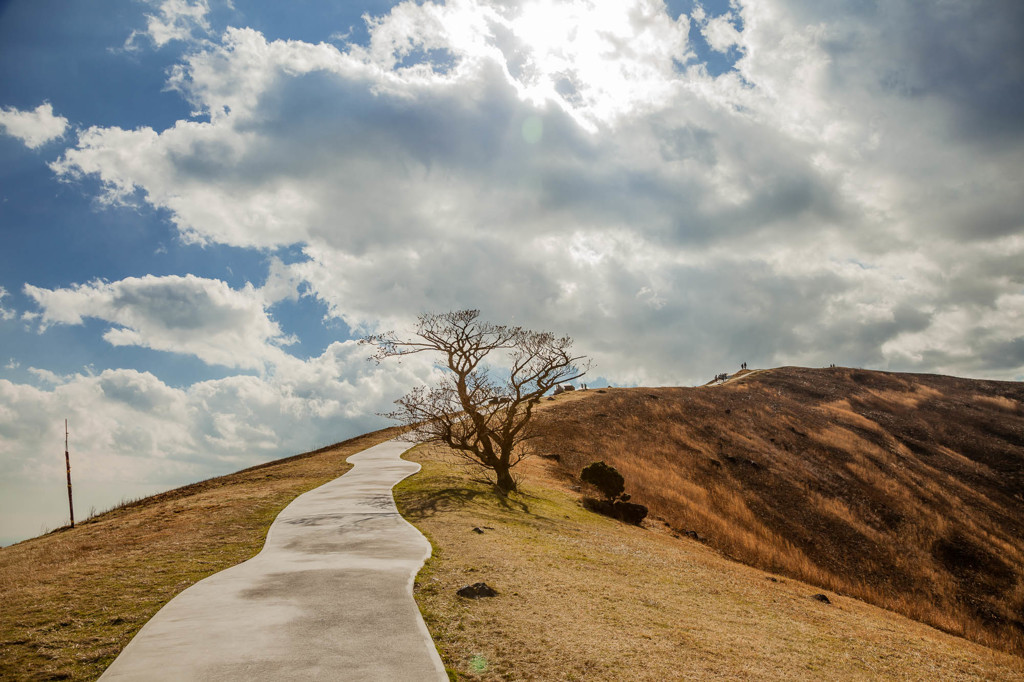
[506, 484]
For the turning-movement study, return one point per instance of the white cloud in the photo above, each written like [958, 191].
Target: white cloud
[131, 425]
[173, 20]
[599, 60]
[35, 128]
[45, 376]
[131, 431]
[190, 315]
[962, 338]
[721, 32]
[806, 207]
[849, 193]
[5, 312]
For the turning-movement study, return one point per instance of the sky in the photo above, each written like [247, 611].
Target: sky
[205, 203]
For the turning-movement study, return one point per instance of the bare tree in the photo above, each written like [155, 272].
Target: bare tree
[481, 417]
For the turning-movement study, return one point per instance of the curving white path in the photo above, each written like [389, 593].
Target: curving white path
[329, 597]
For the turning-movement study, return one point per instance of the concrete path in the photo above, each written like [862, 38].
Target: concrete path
[329, 597]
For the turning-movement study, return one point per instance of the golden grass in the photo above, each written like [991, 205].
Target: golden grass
[835, 492]
[1000, 402]
[72, 599]
[810, 475]
[583, 597]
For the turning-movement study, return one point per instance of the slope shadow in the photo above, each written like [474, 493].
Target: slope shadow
[447, 499]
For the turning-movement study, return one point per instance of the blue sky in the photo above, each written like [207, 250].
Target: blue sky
[203, 203]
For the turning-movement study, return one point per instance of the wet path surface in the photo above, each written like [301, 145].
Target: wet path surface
[329, 597]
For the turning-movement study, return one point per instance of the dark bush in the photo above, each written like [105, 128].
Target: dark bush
[605, 478]
[611, 484]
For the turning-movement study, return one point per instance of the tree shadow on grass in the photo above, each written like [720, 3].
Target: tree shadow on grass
[429, 503]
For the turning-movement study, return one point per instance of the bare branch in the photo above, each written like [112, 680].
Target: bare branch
[471, 412]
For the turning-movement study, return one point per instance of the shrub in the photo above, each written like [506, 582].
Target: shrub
[605, 478]
[611, 484]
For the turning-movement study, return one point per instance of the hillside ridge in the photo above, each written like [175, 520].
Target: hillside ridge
[72, 599]
[881, 485]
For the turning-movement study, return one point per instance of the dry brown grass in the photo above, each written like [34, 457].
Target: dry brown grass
[842, 481]
[902, 490]
[72, 599]
[583, 597]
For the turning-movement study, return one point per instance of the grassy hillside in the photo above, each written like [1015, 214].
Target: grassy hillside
[869, 484]
[583, 597]
[906, 491]
[72, 599]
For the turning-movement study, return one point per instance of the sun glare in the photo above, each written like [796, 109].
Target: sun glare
[597, 60]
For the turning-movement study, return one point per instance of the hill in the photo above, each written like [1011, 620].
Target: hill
[906, 491]
[580, 596]
[72, 599]
[584, 597]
